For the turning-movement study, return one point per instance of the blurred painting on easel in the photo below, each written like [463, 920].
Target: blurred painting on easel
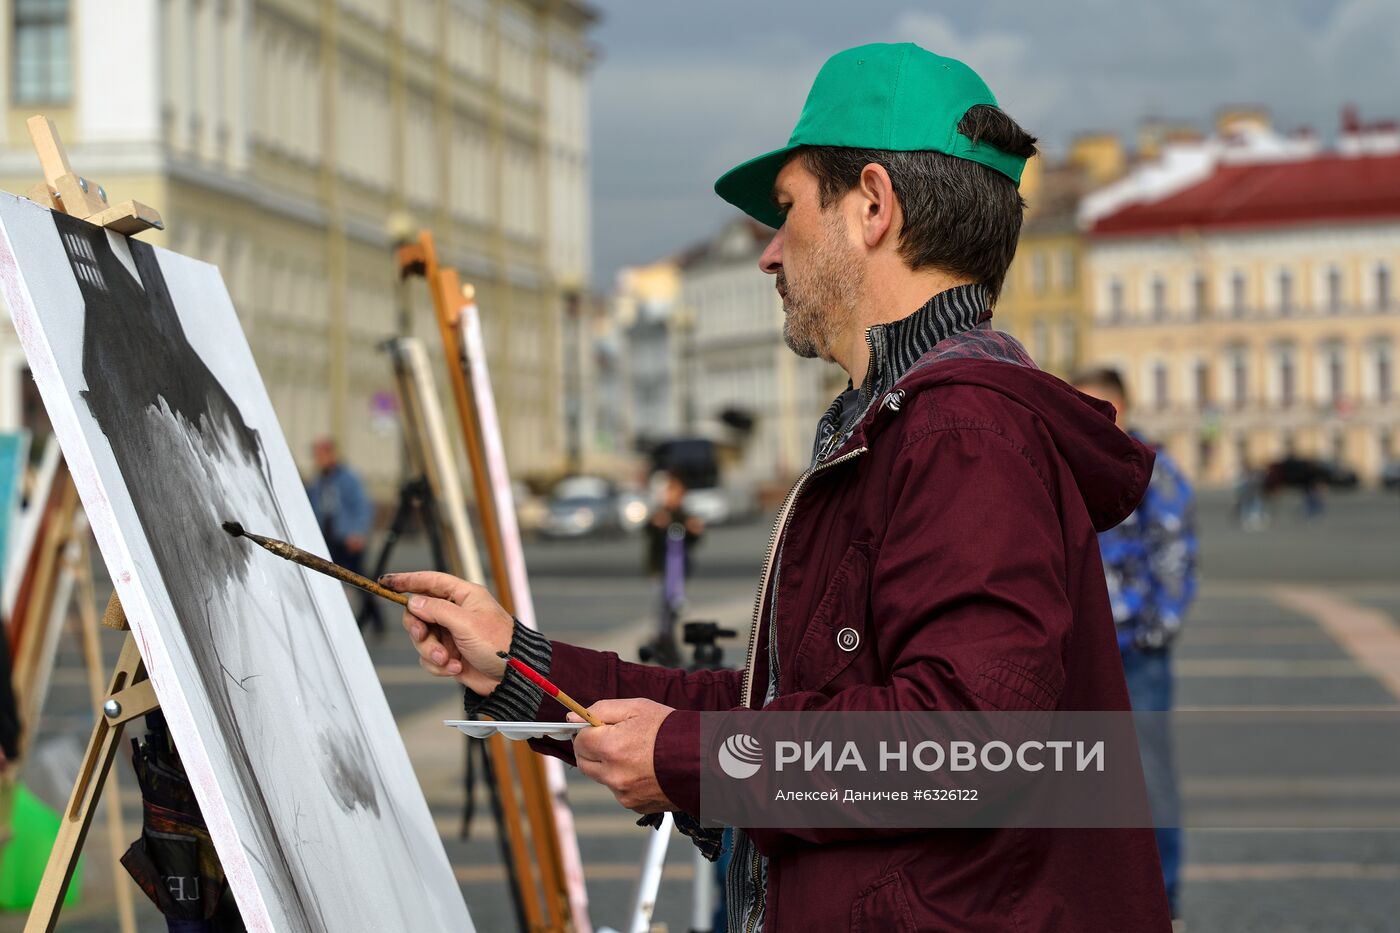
[268, 691]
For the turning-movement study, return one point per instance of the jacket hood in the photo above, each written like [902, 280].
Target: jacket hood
[1110, 468]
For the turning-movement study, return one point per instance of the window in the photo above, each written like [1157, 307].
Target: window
[1285, 291]
[1205, 453]
[1069, 343]
[1040, 343]
[1335, 373]
[1069, 270]
[1385, 376]
[1159, 298]
[1239, 376]
[1202, 384]
[1237, 287]
[1334, 289]
[1160, 399]
[1040, 273]
[1198, 295]
[42, 72]
[1287, 376]
[1115, 299]
[1382, 286]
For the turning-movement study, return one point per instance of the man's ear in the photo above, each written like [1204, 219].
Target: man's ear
[880, 216]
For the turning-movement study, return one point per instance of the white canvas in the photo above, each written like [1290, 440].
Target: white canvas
[261, 672]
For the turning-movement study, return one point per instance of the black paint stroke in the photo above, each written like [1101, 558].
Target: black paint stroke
[183, 446]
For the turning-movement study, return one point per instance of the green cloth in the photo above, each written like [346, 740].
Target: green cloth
[895, 97]
[22, 861]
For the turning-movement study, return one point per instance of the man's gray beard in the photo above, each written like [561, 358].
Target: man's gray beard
[805, 348]
[825, 305]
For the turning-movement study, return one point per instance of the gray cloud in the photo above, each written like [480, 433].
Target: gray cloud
[684, 91]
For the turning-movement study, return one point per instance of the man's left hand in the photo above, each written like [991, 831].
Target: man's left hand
[619, 754]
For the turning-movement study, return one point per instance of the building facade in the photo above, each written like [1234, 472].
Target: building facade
[288, 141]
[731, 358]
[1253, 309]
[1042, 300]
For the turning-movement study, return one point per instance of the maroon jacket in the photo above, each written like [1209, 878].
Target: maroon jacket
[955, 531]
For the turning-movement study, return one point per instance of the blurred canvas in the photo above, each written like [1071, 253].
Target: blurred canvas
[269, 692]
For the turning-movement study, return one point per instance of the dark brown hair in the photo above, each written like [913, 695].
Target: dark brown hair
[959, 215]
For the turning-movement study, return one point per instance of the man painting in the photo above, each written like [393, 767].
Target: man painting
[947, 520]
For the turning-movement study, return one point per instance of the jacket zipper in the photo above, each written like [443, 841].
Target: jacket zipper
[784, 514]
[779, 525]
[758, 905]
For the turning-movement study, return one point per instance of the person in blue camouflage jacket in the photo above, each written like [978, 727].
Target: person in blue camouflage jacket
[1149, 563]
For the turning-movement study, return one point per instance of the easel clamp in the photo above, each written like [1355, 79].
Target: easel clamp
[67, 192]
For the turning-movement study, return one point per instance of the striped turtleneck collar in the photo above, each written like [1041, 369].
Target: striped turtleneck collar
[897, 346]
[894, 349]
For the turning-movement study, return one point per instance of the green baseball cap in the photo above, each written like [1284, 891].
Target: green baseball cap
[896, 97]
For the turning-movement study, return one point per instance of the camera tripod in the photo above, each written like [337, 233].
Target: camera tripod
[707, 656]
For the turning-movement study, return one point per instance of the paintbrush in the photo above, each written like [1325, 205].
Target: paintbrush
[543, 683]
[319, 564]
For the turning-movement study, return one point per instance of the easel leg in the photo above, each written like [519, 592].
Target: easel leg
[97, 762]
[92, 651]
[530, 769]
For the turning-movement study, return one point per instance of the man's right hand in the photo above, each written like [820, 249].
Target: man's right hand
[456, 626]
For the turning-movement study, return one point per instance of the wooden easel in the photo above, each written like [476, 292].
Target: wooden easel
[545, 893]
[61, 579]
[129, 694]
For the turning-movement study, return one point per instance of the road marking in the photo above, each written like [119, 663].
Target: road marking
[1302, 787]
[1340, 818]
[617, 825]
[1369, 635]
[1290, 871]
[1265, 667]
[1292, 710]
[592, 872]
[1254, 636]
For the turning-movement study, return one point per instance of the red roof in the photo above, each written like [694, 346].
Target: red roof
[1329, 188]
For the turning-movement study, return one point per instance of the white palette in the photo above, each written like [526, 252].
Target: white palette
[516, 731]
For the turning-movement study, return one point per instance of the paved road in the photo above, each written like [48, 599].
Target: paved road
[1301, 617]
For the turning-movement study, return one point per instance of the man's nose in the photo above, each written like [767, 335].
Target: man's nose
[771, 261]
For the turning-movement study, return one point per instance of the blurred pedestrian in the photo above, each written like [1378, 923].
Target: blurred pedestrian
[671, 534]
[1149, 562]
[1250, 509]
[345, 513]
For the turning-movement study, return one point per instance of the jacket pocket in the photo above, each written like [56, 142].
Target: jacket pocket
[883, 907]
[836, 636]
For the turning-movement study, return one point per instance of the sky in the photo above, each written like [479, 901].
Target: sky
[684, 90]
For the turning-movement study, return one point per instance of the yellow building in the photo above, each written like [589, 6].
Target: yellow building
[1254, 310]
[281, 139]
[1042, 301]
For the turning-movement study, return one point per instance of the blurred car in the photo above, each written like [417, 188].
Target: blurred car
[1302, 473]
[721, 505]
[530, 510]
[696, 461]
[1339, 476]
[632, 509]
[1390, 475]
[581, 506]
